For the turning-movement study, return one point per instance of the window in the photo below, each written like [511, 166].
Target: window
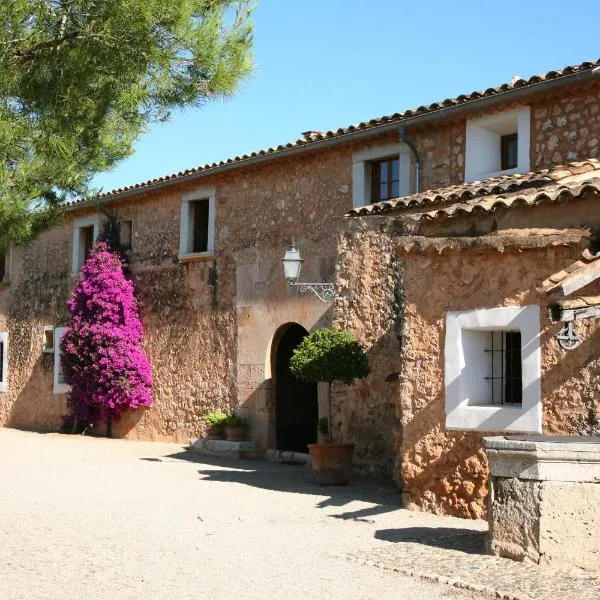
[48, 338]
[3, 362]
[60, 387]
[199, 209]
[197, 224]
[497, 144]
[125, 234]
[509, 145]
[85, 233]
[504, 374]
[379, 173]
[385, 179]
[492, 368]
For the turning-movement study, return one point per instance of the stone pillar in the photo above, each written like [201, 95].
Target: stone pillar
[544, 502]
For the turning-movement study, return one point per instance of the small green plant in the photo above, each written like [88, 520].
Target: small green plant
[235, 420]
[215, 417]
[323, 426]
[330, 354]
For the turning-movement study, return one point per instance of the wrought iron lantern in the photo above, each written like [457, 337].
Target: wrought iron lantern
[292, 265]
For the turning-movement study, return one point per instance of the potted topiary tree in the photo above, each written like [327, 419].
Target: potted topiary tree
[330, 354]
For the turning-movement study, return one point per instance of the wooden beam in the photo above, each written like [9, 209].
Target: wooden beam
[575, 281]
[559, 312]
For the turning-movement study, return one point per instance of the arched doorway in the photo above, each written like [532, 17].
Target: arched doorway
[296, 402]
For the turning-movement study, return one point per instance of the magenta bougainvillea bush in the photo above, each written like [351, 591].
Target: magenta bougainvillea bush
[102, 355]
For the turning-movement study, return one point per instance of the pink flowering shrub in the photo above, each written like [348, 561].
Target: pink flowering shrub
[102, 355]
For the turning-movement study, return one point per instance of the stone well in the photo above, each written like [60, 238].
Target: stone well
[545, 499]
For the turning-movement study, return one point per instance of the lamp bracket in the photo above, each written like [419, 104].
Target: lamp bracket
[323, 291]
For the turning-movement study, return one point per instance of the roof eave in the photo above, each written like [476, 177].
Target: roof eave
[442, 113]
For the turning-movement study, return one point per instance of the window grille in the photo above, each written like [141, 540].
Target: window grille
[505, 376]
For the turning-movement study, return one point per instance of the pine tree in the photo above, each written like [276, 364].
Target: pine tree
[80, 80]
[102, 355]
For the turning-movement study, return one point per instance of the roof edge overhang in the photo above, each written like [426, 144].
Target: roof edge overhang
[512, 95]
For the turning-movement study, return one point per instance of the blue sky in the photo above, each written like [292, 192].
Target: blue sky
[324, 64]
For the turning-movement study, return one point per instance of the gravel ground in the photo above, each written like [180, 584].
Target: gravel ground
[85, 517]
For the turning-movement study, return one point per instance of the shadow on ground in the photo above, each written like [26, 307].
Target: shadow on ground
[294, 479]
[449, 538]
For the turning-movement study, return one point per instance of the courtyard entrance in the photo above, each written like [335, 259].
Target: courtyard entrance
[296, 402]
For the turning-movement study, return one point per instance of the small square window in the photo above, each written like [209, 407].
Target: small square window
[385, 179]
[509, 151]
[125, 234]
[48, 338]
[492, 369]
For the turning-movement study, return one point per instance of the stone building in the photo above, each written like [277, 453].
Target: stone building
[205, 253]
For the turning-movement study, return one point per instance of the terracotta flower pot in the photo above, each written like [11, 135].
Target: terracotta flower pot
[235, 434]
[215, 432]
[331, 463]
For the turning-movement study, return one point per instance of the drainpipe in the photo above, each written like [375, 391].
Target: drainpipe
[416, 156]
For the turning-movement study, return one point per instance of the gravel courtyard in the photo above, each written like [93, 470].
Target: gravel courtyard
[85, 517]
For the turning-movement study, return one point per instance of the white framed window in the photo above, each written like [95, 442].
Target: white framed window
[197, 225]
[3, 361]
[380, 172]
[60, 387]
[126, 234]
[492, 362]
[48, 338]
[497, 144]
[85, 233]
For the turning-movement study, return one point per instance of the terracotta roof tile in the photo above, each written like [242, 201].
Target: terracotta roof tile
[362, 126]
[496, 192]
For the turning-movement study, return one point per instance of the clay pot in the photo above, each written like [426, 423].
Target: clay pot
[331, 463]
[215, 432]
[235, 434]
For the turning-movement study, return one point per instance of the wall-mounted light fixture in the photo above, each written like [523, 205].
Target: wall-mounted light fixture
[292, 265]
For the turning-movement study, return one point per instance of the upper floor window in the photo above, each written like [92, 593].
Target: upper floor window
[85, 233]
[380, 173]
[125, 234]
[497, 144]
[385, 179]
[509, 145]
[197, 227]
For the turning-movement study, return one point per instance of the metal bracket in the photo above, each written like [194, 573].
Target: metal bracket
[567, 338]
[325, 292]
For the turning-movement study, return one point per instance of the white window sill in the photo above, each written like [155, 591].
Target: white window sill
[513, 419]
[61, 388]
[196, 257]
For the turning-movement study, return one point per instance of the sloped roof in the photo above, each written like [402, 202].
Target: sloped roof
[317, 138]
[574, 277]
[548, 185]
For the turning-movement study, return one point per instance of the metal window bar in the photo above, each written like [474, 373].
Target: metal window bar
[505, 368]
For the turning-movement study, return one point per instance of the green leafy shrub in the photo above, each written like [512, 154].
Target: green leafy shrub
[215, 418]
[235, 420]
[330, 354]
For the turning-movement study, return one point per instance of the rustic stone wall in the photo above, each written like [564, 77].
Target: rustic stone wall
[446, 471]
[565, 127]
